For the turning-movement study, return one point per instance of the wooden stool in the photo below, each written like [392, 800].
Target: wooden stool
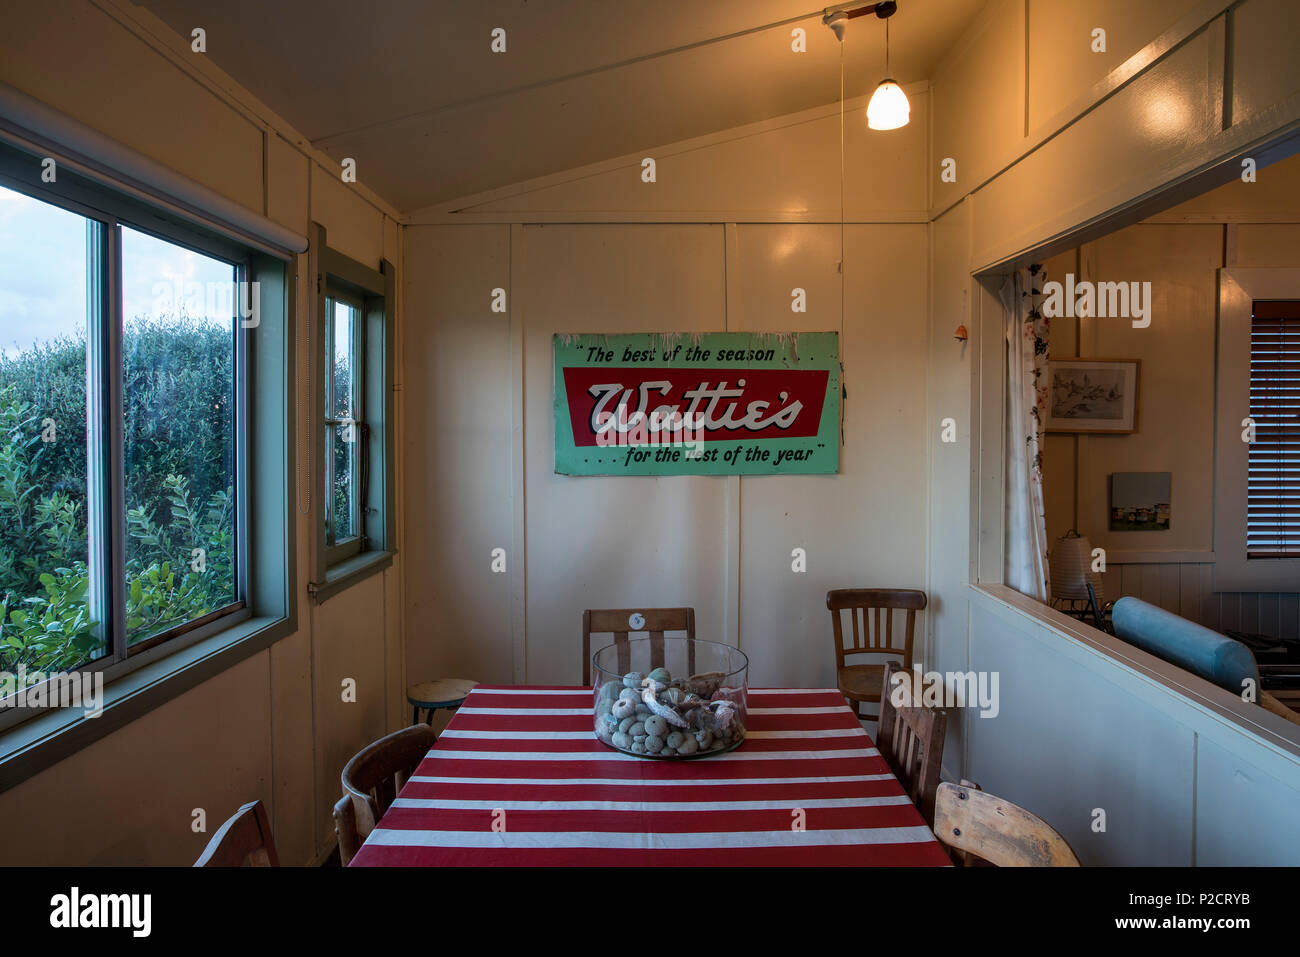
[436, 695]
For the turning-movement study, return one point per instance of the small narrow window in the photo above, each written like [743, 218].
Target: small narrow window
[1273, 494]
[352, 441]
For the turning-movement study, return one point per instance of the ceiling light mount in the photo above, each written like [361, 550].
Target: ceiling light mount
[883, 10]
[888, 108]
[837, 22]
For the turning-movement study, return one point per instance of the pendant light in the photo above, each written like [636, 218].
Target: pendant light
[888, 108]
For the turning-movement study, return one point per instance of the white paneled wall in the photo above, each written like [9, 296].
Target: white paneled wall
[1186, 774]
[735, 221]
[720, 544]
[614, 541]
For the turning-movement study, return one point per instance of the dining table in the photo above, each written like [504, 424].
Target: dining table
[518, 778]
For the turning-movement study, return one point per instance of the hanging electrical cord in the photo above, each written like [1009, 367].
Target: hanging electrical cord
[843, 391]
[887, 73]
[841, 191]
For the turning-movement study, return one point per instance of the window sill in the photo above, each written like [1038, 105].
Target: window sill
[348, 573]
[50, 736]
[1239, 573]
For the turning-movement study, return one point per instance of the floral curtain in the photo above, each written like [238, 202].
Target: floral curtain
[1027, 387]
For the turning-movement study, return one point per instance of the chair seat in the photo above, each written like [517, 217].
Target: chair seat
[440, 693]
[861, 682]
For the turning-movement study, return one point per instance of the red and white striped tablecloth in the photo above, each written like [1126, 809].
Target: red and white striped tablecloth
[518, 778]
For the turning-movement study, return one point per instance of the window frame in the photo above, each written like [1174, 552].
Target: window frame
[153, 672]
[1239, 288]
[105, 484]
[335, 569]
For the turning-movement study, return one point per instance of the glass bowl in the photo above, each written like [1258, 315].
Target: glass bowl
[670, 697]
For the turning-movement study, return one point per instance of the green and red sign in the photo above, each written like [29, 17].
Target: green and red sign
[722, 403]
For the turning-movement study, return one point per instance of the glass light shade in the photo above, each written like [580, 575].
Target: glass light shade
[888, 109]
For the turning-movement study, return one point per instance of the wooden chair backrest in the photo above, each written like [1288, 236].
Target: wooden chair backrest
[245, 840]
[997, 831]
[345, 828]
[615, 621]
[871, 614]
[910, 739]
[371, 781]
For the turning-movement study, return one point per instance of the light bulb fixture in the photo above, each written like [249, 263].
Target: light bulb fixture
[888, 108]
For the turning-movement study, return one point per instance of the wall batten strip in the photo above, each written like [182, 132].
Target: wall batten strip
[518, 462]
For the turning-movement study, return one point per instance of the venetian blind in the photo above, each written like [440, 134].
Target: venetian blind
[1273, 502]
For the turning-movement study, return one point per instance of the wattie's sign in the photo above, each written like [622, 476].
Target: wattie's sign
[714, 404]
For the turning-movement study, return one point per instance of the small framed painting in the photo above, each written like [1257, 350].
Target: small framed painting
[1139, 501]
[1092, 395]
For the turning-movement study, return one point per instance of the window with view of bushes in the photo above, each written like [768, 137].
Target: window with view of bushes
[121, 430]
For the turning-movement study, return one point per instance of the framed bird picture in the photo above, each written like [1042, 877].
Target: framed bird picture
[1092, 395]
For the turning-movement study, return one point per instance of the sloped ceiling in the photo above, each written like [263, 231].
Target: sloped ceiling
[412, 91]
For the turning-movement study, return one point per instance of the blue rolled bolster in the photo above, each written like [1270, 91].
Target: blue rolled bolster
[1203, 652]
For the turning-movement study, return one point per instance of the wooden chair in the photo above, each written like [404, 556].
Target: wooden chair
[245, 840]
[615, 621]
[910, 739]
[962, 858]
[871, 613]
[371, 781]
[997, 831]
